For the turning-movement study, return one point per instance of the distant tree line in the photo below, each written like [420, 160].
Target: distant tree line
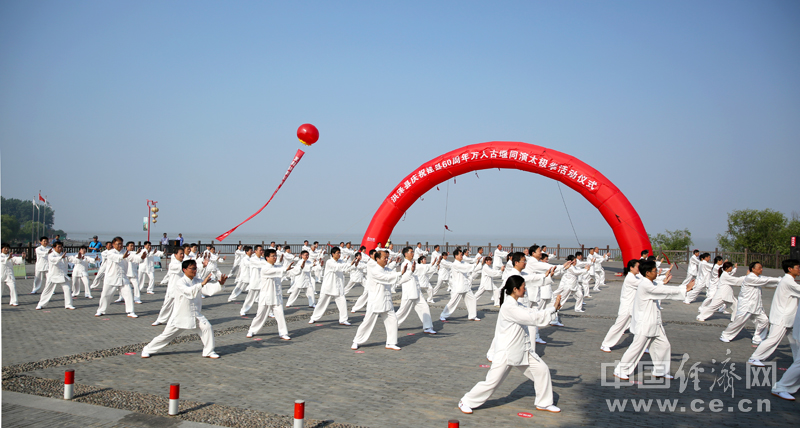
[17, 225]
[758, 231]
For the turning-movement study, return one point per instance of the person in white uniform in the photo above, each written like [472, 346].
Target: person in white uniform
[237, 257]
[419, 252]
[254, 265]
[380, 279]
[646, 326]
[242, 273]
[114, 280]
[7, 273]
[488, 275]
[174, 273]
[333, 287]
[56, 276]
[412, 296]
[363, 299]
[790, 381]
[303, 280]
[356, 276]
[271, 295]
[147, 268]
[626, 298]
[461, 287]
[570, 281]
[723, 294]
[512, 348]
[101, 272]
[80, 272]
[132, 272]
[749, 306]
[186, 315]
[782, 312]
[599, 271]
[703, 278]
[691, 271]
[40, 270]
[443, 274]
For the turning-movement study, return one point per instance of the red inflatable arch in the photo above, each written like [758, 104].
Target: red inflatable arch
[590, 183]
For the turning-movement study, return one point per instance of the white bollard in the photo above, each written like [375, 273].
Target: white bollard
[174, 395]
[69, 384]
[299, 413]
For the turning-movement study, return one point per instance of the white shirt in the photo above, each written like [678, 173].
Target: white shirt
[646, 316]
[750, 294]
[379, 284]
[512, 345]
[80, 268]
[784, 302]
[487, 276]
[6, 267]
[41, 258]
[333, 278]
[188, 303]
[115, 268]
[459, 276]
[57, 267]
[271, 289]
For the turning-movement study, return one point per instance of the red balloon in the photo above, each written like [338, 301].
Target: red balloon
[308, 134]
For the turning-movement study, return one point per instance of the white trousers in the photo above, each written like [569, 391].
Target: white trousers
[171, 332]
[694, 292]
[39, 279]
[250, 300]
[615, 332]
[11, 282]
[151, 280]
[760, 320]
[790, 381]
[295, 293]
[361, 301]
[455, 299]
[322, 306]
[76, 285]
[432, 291]
[770, 344]
[237, 290]
[659, 348]
[715, 305]
[578, 297]
[263, 314]
[166, 310]
[365, 329]
[420, 305]
[687, 280]
[50, 288]
[107, 296]
[480, 292]
[350, 284]
[536, 370]
[599, 278]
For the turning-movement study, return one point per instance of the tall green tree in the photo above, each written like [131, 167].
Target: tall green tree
[672, 240]
[21, 210]
[759, 231]
[10, 228]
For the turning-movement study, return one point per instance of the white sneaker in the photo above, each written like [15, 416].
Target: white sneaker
[557, 324]
[242, 314]
[249, 335]
[464, 408]
[133, 315]
[89, 297]
[151, 292]
[145, 355]
[755, 362]
[646, 350]
[605, 349]
[139, 302]
[285, 337]
[118, 300]
[393, 347]
[69, 307]
[311, 321]
[551, 408]
[784, 395]
[722, 339]
[345, 323]
[595, 289]
[156, 323]
[38, 308]
[540, 341]
[579, 310]
[212, 355]
[354, 346]
[617, 375]
[429, 331]
[475, 319]
[442, 319]
[664, 376]
[98, 314]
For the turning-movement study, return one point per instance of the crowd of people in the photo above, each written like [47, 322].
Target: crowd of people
[521, 284]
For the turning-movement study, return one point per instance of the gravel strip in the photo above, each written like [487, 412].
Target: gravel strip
[194, 411]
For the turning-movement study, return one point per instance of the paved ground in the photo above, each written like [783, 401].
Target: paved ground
[418, 386]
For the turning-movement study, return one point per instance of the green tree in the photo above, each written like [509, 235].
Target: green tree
[672, 240]
[28, 229]
[22, 210]
[759, 231]
[10, 228]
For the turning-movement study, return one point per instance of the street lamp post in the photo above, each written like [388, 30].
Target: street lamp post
[152, 214]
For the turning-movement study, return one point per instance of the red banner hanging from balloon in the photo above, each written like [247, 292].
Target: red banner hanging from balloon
[297, 157]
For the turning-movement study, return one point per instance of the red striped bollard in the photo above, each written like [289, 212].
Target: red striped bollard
[452, 423]
[69, 384]
[174, 395]
[299, 413]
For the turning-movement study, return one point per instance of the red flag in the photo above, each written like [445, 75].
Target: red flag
[41, 198]
[297, 157]
[448, 229]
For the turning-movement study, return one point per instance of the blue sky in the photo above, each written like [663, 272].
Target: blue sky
[690, 108]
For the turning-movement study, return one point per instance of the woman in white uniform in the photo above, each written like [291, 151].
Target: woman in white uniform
[626, 297]
[488, 274]
[513, 349]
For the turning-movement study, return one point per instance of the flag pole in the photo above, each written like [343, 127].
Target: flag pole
[33, 208]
